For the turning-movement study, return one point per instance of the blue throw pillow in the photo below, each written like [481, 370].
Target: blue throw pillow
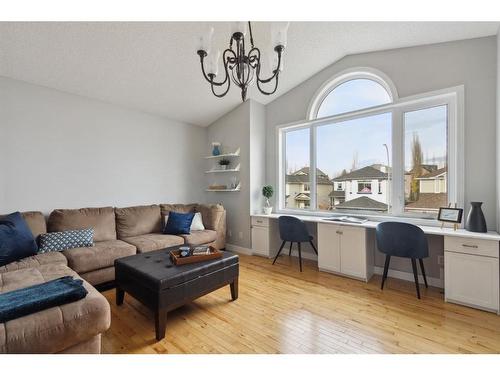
[16, 239]
[179, 223]
[70, 239]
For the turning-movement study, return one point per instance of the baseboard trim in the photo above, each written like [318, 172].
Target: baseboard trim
[432, 281]
[238, 249]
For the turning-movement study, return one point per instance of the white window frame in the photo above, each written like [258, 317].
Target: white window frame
[453, 97]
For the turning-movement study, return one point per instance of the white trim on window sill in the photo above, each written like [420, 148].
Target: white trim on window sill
[380, 217]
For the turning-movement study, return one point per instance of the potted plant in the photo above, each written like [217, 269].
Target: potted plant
[224, 163]
[267, 192]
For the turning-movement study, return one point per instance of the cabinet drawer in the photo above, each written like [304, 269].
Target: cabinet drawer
[260, 221]
[471, 246]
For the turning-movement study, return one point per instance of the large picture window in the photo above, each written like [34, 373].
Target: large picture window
[364, 150]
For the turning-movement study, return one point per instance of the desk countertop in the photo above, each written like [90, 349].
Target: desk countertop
[435, 230]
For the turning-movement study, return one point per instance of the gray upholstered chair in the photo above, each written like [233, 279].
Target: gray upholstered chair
[293, 230]
[402, 240]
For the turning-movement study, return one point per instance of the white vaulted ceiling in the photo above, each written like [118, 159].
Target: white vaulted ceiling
[153, 67]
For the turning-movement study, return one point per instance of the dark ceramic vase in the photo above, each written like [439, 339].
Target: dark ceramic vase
[475, 220]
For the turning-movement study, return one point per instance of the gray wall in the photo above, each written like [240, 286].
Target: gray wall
[257, 155]
[232, 131]
[62, 150]
[415, 70]
[244, 128]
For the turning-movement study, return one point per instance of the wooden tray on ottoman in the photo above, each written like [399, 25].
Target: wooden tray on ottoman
[178, 260]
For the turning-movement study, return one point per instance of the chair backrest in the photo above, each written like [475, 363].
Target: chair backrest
[402, 240]
[293, 229]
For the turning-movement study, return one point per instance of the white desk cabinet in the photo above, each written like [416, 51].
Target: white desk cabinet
[343, 250]
[260, 236]
[471, 270]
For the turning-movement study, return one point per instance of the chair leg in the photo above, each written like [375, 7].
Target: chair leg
[423, 272]
[279, 251]
[386, 269]
[290, 251]
[300, 257]
[415, 274]
[314, 247]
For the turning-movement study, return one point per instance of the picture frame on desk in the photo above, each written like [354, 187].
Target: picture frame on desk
[450, 215]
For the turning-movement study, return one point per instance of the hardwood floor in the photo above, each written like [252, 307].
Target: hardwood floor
[280, 310]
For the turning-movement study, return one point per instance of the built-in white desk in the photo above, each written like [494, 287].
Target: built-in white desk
[471, 260]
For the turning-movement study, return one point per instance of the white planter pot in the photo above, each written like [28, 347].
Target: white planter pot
[223, 167]
[268, 210]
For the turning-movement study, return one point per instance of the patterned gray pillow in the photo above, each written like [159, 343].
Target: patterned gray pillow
[70, 239]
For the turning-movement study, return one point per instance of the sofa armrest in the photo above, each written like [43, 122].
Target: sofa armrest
[214, 218]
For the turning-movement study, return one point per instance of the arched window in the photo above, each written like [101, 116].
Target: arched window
[364, 150]
[353, 95]
[352, 91]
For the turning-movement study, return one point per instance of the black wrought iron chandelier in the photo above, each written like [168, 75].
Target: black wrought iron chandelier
[239, 67]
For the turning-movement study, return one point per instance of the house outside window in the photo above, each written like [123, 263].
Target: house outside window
[348, 140]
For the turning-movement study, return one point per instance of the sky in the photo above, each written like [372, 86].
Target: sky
[339, 143]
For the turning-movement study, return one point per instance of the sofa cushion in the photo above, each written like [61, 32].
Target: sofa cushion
[35, 261]
[179, 223]
[55, 329]
[200, 237]
[102, 220]
[196, 224]
[167, 207]
[36, 222]
[153, 241]
[211, 213]
[100, 276]
[70, 239]
[134, 221]
[101, 255]
[16, 239]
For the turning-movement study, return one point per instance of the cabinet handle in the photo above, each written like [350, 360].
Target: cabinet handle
[472, 246]
[339, 232]
[259, 221]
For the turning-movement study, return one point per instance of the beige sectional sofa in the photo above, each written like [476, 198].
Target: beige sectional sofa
[118, 232]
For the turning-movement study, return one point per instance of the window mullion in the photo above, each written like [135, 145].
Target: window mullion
[312, 168]
[396, 184]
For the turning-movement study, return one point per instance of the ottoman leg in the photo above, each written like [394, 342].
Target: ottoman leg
[120, 295]
[234, 289]
[160, 323]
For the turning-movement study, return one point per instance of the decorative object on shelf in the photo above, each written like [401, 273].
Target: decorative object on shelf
[217, 187]
[450, 215]
[475, 220]
[239, 67]
[223, 163]
[226, 155]
[215, 148]
[267, 192]
[234, 182]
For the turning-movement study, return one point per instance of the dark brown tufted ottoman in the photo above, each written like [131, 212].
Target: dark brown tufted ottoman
[162, 286]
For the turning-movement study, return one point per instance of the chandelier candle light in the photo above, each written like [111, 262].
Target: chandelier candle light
[239, 67]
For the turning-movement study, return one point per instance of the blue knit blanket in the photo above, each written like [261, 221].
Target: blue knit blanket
[39, 297]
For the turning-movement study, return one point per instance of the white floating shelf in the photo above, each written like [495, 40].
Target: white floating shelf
[230, 155]
[220, 190]
[237, 169]
[222, 170]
